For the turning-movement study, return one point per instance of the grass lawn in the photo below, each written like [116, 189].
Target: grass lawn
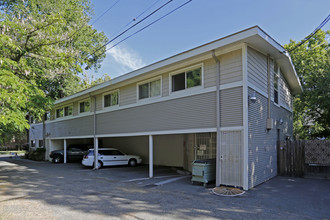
[12, 151]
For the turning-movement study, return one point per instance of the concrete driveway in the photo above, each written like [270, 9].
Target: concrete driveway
[42, 190]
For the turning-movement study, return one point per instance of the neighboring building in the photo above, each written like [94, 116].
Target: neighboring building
[230, 99]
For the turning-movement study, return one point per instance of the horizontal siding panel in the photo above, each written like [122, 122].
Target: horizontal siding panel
[184, 113]
[99, 102]
[127, 95]
[165, 84]
[36, 132]
[73, 127]
[209, 73]
[257, 69]
[231, 107]
[231, 67]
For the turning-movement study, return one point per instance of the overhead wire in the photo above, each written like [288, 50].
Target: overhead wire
[106, 11]
[149, 25]
[132, 26]
[311, 34]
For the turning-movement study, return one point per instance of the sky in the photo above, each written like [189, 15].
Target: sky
[196, 23]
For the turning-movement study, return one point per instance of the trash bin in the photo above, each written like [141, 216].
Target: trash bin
[203, 171]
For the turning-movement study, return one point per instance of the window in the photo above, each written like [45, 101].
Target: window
[84, 106]
[110, 99]
[41, 143]
[64, 111]
[150, 89]
[187, 79]
[276, 84]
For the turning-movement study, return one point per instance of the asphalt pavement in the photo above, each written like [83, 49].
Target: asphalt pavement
[43, 190]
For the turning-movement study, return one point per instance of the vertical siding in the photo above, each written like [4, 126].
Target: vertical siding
[257, 69]
[128, 94]
[231, 107]
[262, 154]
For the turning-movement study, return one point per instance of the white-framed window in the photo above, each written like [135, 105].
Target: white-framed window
[187, 78]
[84, 106]
[150, 88]
[64, 111]
[276, 83]
[111, 99]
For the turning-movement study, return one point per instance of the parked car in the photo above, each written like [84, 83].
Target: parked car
[110, 157]
[73, 153]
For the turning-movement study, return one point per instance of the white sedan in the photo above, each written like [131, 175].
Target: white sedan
[110, 157]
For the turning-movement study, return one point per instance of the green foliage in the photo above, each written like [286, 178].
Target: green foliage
[312, 107]
[38, 154]
[44, 45]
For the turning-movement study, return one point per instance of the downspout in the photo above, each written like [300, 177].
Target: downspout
[96, 148]
[269, 119]
[218, 173]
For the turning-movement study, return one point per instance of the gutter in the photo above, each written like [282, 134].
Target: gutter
[218, 175]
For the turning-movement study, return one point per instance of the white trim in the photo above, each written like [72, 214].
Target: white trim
[231, 85]
[184, 131]
[149, 81]
[185, 70]
[234, 128]
[245, 119]
[109, 93]
[90, 106]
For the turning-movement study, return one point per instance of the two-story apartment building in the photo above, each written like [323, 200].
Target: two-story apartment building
[230, 99]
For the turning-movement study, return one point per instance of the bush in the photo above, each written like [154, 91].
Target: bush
[38, 154]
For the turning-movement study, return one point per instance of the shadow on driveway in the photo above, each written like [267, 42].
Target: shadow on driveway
[32, 190]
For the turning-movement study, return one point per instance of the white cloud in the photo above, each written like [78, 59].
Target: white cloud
[126, 57]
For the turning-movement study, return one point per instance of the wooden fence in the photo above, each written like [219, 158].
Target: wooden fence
[294, 156]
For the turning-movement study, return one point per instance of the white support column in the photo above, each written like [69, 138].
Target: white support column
[96, 151]
[151, 157]
[64, 151]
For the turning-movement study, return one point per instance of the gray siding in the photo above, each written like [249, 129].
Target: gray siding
[73, 127]
[35, 132]
[99, 102]
[231, 67]
[127, 94]
[183, 113]
[262, 154]
[210, 73]
[257, 69]
[231, 107]
[285, 93]
[165, 86]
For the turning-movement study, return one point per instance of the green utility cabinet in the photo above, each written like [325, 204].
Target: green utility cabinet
[203, 171]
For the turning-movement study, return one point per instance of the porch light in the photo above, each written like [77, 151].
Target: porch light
[253, 97]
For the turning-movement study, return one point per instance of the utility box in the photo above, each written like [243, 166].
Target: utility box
[203, 171]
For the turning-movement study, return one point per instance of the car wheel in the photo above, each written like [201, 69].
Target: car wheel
[57, 159]
[99, 165]
[132, 162]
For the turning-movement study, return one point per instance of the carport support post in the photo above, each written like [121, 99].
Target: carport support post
[151, 157]
[96, 152]
[64, 159]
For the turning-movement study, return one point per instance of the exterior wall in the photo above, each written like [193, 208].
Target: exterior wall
[285, 94]
[257, 69]
[262, 158]
[168, 149]
[231, 107]
[73, 127]
[183, 113]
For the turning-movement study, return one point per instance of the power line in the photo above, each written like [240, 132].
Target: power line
[311, 34]
[132, 26]
[149, 24]
[105, 12]
[135, 18]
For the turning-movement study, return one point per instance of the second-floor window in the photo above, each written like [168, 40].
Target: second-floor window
[149, 89]
[187, 79]
[64, 111]
[84, 106]
[110, 99]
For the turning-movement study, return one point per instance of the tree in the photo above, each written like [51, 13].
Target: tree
[44, 45]
[312, 107]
